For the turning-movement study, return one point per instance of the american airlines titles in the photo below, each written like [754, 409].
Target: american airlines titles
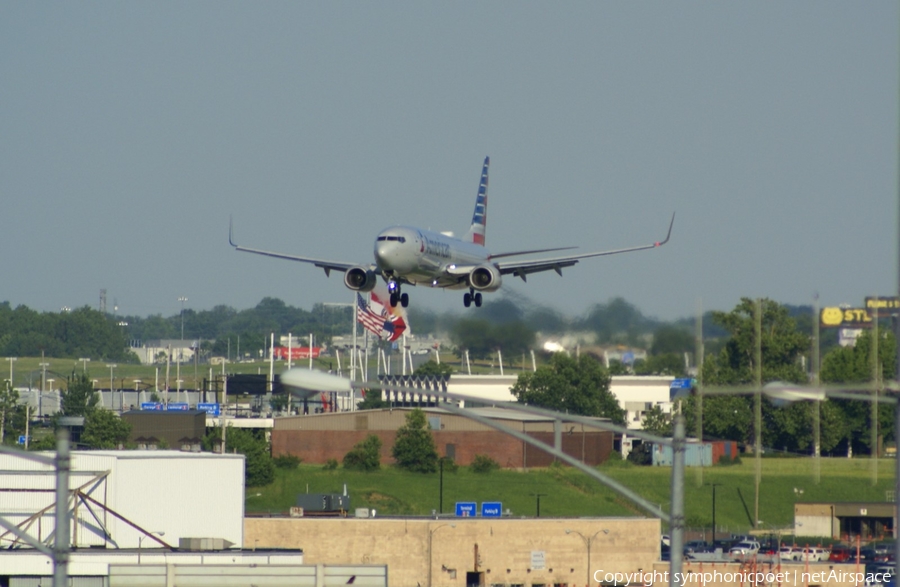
[436, 248]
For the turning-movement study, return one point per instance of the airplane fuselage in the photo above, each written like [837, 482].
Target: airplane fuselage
[423, 257]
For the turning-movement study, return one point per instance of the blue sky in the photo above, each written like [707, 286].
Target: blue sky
[130, 132]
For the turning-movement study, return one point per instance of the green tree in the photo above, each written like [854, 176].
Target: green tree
[259, 469]
[431, 368]
[9, 401]
[104, 430]
[657, 422]
[848, 365]
[414, 448]
[79, 398]
[578, 386]
[782, 345]
[372, 400]
[664, 364]
[365, 455]
[482, 338]
[672, 339]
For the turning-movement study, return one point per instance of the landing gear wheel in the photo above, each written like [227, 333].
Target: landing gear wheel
[467, 299]
[395, 297]
[477, 299]
[404, 300]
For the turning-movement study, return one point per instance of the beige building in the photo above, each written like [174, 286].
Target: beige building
[454, 552]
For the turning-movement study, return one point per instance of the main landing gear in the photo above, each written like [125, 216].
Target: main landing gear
[472, 296]
[396, 296]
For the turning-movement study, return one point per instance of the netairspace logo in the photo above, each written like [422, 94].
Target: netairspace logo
[789, 577]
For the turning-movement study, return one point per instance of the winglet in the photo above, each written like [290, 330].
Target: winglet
[668, 235]
[230, 232]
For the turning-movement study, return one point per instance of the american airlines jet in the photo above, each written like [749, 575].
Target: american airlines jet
[405, 255]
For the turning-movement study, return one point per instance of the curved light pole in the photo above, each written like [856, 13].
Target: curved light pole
[587, 542]
[141, 539]
[431, 532]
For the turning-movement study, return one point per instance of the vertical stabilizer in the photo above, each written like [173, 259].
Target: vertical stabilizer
[479, 218]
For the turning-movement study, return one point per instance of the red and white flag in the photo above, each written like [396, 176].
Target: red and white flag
[378, 318]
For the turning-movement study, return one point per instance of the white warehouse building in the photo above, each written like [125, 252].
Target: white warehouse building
[125, 499]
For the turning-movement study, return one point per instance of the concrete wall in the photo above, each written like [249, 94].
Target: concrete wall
[507, 549]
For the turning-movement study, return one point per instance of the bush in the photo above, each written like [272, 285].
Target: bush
[448, 464]
[726, 460]
[641, 455]
[331, 465]
[365, 456]
[483, 464]
[287, 461]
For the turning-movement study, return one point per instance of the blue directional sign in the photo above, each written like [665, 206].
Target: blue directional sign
[151, 406]
[21, 439]
[680, 388]
[491, 509]
[466, 509]
[211, 409]
[177, 407]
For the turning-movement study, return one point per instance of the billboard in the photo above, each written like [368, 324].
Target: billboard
[835, 317]
[296, 353]
[883, 307]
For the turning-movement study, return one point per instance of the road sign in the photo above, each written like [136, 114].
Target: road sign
[177, 407]
[211, 409]
[491, 509]
[151, 406]
[680, 388]
[22, 439]
[466, 509]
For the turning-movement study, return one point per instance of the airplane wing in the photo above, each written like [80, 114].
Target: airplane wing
[328, 266]
[523, 268]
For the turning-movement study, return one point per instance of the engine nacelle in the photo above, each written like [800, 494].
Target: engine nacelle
[485, 278]
[360, 279]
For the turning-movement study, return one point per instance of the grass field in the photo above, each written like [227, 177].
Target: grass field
[569, 493]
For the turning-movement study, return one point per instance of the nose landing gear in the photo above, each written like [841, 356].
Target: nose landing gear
[472, 296]
[396, 296]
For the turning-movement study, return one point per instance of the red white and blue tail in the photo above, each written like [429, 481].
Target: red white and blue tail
[479, 218]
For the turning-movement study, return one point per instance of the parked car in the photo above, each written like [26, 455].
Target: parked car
[842, 554]
[788, 553]
[744, 549]
[694, 546]
[814, 554]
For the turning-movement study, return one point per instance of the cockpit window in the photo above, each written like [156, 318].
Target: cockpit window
[401, 239]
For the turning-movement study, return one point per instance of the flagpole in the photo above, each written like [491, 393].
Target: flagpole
[353, 362]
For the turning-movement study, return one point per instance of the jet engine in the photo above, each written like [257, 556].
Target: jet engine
[360, 279]
[485, 278]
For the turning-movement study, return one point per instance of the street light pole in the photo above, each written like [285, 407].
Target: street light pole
[182, 299]
[587, 542]
[714, 485]
[111, 385]
[11, 361]
[431, 532]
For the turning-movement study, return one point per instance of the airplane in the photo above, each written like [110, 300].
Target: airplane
[406, 255]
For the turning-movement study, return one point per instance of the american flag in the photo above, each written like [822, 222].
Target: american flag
[370, 320]
[376, 319]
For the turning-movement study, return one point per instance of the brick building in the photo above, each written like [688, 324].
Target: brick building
[317, 438]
